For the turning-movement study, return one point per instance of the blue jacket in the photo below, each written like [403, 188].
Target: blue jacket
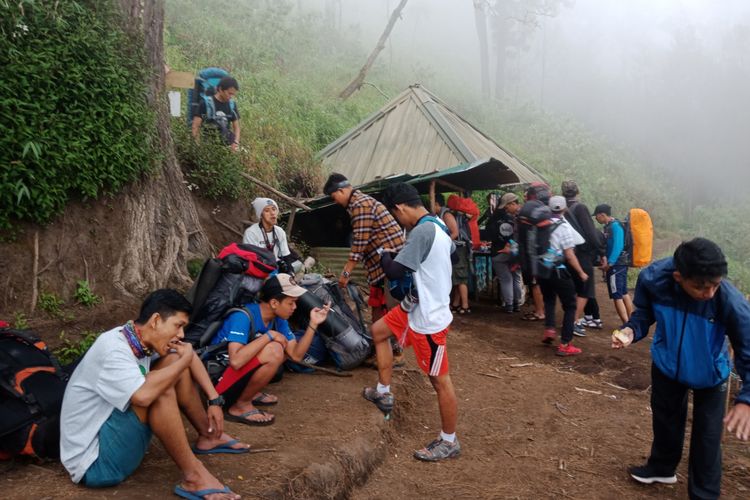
[615, 235]
[689, 343]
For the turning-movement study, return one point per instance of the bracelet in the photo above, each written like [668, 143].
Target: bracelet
[270, 337]
[310, 327]
[345, 273]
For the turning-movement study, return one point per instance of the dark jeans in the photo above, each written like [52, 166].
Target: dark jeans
[592, 307]
[560, 284]
[669, 405]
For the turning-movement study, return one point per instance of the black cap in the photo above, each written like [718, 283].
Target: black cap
[603, 208]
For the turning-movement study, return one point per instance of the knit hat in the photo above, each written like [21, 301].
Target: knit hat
[259, 204]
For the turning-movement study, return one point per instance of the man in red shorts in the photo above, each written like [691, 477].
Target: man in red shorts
[423, 318]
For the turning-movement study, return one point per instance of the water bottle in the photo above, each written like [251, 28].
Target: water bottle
[513, 247]
[549, 258]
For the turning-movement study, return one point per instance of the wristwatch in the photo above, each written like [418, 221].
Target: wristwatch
[345, 273]
[219, 401]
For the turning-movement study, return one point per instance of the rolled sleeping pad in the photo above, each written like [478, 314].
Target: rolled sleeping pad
[333, 326]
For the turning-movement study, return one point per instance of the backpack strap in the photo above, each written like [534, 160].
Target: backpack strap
[210, 107]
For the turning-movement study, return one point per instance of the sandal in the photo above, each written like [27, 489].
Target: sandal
[462, 311]
[242, 419]
[532, 316]
[265, 399]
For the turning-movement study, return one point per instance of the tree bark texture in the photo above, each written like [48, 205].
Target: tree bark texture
[355, 84]
[480, 19]
[161, 226]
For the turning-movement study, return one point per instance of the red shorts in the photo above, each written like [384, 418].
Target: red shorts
[232, 376]
[430, 350]
[377, 296]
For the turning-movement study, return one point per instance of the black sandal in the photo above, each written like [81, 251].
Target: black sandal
[463, 311]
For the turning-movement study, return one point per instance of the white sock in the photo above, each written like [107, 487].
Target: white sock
[448, 437]
[382, 389]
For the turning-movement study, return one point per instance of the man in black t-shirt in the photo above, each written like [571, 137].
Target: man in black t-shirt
[220, 111]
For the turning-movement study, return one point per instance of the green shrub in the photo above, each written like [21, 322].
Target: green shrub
[50, 303]
[84, 295]
[70, 350]
[73, 111]
[19, 321]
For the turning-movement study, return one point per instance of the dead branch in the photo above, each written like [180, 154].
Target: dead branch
[587, 391]
[275, 191]
[616, 386]
[261, 450]
[35, 272]
[326, 370]
[521, 365]
[356, 83]
[235, 231]
[562, 409]
[490, 375]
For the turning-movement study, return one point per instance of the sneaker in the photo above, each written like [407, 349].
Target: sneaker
[508, 309]
[578, 329]
[516, 308]
[549, 336]
[646, 475]
[384, 402]
[593, 323]
[438, 450]
[567, 350]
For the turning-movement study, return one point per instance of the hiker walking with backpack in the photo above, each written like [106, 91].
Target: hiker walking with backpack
[560, 255]
[266, 234]
[695, 309]
[423, 318]
[615, 263]
[465, 212]
[536, 195]
[220, 112]
[133, 382]
[579, 217]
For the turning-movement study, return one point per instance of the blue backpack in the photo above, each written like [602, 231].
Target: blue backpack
[402, 287]
[205, 88]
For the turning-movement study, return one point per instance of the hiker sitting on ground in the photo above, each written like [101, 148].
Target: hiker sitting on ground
[695, 309]
[266, 234]
[259, 337]
[223, 113]
[117, 397]
[615, 263]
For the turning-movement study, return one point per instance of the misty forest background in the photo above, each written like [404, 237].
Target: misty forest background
[643, 102]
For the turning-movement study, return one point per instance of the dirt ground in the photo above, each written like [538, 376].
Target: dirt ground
[531, 425]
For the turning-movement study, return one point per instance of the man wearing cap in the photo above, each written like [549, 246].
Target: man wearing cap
[258, 339]
[423, 318]
[562, 241]
[501, 229]
[373, 227]
[615, 262]
[579, 217]
[266, 234]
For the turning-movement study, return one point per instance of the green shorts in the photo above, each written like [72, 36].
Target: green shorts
[460, 274]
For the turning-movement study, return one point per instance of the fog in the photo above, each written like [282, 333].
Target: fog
[667, 80]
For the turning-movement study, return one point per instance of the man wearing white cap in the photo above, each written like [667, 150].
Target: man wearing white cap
[266, 234]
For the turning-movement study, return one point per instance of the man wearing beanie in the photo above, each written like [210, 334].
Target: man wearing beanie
[423, 318]
[695, 309]
[615, 262]
[266, 234]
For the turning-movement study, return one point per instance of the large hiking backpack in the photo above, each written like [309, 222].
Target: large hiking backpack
[343, 332]
[639, 237]
[32, 385]
[230, 280]
[204, 89]
[535, 228]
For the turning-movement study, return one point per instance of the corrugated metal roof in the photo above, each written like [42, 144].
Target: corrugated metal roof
[416, 133]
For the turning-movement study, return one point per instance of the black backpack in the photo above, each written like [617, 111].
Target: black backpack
[32, 385]
[535, 229]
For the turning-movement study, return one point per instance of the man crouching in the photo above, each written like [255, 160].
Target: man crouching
[133, 382]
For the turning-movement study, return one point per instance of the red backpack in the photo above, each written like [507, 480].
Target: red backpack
[258, 262]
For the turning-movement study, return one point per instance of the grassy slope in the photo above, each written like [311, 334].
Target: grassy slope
[290, 69]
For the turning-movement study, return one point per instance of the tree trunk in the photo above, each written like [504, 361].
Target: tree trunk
[162, 229]
[357, 82]
[480, 19]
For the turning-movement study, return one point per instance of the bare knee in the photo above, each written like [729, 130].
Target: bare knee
[380, 331]
[272, 353]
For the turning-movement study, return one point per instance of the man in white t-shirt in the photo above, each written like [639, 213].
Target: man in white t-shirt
[562, 240]
[133, 381]
[423, 318]
[266, 234]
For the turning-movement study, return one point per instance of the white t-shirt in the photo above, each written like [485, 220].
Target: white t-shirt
[564, 237]
[254, 236]
[427, 251]
[105, 379]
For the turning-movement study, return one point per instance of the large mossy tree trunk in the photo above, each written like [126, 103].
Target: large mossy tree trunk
[161, 225]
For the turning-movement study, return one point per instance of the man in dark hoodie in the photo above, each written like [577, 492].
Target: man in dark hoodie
[694, 309]
[579, 217]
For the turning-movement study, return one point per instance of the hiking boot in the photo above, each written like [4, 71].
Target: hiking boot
[647, 475]
[384, 402]
[567, 350]
[549, 336]
[439, 449]
[589, 322]
[578, 329]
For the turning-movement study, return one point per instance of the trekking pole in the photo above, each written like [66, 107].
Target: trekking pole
[325, 370]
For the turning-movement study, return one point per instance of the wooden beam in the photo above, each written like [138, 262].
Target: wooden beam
[290, 223]
[432, 197]
[275, 191]
[452, 186]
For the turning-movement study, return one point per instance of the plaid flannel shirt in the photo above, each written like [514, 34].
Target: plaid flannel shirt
[372, 227]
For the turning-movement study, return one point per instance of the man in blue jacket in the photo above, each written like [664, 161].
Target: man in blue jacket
[694, 309]
[615, 261]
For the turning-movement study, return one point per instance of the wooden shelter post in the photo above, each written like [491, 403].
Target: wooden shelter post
[432, 197]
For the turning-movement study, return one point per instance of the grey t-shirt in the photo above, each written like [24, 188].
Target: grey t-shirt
[106, 378]
[428, 252]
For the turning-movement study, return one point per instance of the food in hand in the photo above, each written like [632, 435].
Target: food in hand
[621, 336]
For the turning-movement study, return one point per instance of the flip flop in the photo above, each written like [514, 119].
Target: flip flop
[222, 448]
[200, 494]
[242, 419]
[262, 400]
[532, 317]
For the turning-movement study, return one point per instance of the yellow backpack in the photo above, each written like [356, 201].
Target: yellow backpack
[639, 237]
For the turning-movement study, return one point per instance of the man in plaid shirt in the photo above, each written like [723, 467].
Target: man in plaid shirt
[373, 227]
